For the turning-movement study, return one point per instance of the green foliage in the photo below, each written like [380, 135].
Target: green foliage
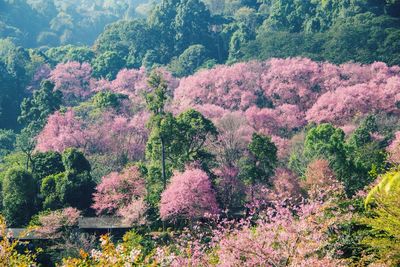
[15, 74]
[34, 113]
[26, 142]
[189, 61]
[7, 142]
[347, 36]
[389, 184]
[384, 220]
[74, 187]
[356, 162]
[368, 157]
[156, 99]
[239, 38]
[63, 54]
[19, 193]
[48, 189]
[132, 39]
[185, 137]
[259, 165]
[107, 99]
[173, 141]
[107, 65]
[50, 23]
[74, 161]
[45, 164]
[326, 141]
[43, 103]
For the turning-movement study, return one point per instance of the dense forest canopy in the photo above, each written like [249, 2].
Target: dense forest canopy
[35, 23]
[222, 132]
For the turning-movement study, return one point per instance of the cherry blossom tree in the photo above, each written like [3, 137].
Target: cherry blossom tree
[73, 80]
[133, 83]
[234, 134]
[188, 196]
[121, 193]
[119, 136]
[282, 95]
[230, 87]
[285, 185]
[319, 177]
[61, 131]
[280, 238]
[230, 190]
[394, 149]
[296, 81]
[52, 224]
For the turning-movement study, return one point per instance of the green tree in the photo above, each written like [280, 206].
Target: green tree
[15, 74]
[45, 164]
[74, 161]
[189, 132]
[34, 113]
[63, 54]
[326, 141]
[366, 155]
[188, 62]
[131, 39]
[237, 42]
[191, 24]
[173, 141]
[19, 193]
[107, 65]
[260, 162]
[26, 143]
[383, 220]
[107, 99]
[74, 187]
[155, 104]
[44, 102]
[7, 142]
[181, 24]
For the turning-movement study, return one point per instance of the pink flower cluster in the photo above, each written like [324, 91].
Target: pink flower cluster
[188, 196]
[110, 134]
[122, 194]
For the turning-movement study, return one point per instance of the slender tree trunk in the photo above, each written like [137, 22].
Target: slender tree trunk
[164, 176]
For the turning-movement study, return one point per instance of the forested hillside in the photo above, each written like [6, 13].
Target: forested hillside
[215, 133]
[48, 23]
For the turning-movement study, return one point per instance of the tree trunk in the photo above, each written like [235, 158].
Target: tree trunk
[164, 176]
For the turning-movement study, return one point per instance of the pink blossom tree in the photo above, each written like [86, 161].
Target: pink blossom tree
[73, 80]
[394, 149]
[52, 224]
[286, 185]
[230, 190]
[319, 178]
[282, 95]
[296, 81]
[279, 239]
[119, 136]
[121, 194]
[133, 83]
[234, 134]
[188, 196]
[230, 87]
[61, 131]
